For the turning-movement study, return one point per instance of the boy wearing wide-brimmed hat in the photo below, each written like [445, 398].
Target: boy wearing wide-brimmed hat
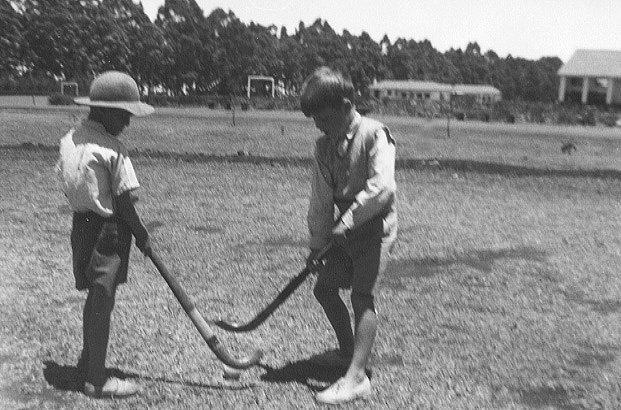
[99, 181]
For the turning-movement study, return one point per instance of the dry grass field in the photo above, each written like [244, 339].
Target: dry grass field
[504, 291]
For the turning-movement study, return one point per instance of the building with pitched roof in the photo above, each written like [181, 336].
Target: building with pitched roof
[591, 77]
[431, 91]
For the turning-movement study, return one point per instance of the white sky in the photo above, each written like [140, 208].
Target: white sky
[523, 28]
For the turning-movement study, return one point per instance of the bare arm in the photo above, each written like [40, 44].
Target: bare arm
[127, 212]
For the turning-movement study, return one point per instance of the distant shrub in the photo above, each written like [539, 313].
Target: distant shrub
[609, 119]
[60, 99]
[537, 113]
[566, 117]
[509, 111]
[502, 111]
[26, 85]
[587, 117]
[227, 102]
[268, 103]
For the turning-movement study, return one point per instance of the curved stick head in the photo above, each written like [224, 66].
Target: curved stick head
[293, 284]
[232, 327]
[249, 361]
[221, 353]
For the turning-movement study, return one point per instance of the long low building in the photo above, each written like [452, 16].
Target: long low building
[429, 90]
[591, 77]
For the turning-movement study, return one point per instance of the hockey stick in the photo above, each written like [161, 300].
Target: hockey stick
[293, 284]
[209, 337]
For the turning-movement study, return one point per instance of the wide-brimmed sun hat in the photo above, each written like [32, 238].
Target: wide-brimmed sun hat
[114, 89]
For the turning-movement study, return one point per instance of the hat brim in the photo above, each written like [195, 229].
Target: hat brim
[137, 108]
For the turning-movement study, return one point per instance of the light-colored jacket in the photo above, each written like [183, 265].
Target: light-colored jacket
[353, 177]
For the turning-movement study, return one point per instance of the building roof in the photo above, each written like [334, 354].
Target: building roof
[593, 63]
[431, 86]
[410, 85]
[475, 89]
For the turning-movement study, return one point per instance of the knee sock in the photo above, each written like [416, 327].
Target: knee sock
[338, 316]
[97, 332]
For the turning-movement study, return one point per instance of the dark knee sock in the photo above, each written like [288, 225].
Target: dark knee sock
[338, 316]
[83, 361]
[97, 332]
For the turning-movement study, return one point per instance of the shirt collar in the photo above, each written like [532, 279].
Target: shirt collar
[342, 145]
[353, 126]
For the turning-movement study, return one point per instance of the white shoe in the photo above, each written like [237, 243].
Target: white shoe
[344, 391]
[331, 358]
[113, 387]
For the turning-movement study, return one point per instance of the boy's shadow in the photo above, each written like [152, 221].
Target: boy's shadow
[304, 372]
[67, 378]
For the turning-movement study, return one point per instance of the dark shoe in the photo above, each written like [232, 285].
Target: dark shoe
[113, 387]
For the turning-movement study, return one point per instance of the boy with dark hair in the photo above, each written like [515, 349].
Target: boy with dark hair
[352, 206]
[98, 179]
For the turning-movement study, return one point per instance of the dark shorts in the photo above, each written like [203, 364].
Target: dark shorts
[362, 260]
[357, 266]
[100, 248]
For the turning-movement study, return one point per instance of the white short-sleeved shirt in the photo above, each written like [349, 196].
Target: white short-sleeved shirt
[93, 167]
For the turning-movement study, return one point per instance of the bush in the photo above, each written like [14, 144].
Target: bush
[587, 117]
[26, 85]
[566, 115]
[502, 111]
[609, 119]
[227, 102]
[60, 99]
[537, 113]
[268, 103]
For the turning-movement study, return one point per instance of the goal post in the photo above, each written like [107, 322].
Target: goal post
[262, 79]
[69, 88]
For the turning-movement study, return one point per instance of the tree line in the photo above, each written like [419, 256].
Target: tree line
[185, 51]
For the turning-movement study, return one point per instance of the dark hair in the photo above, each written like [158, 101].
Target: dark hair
[325, 88]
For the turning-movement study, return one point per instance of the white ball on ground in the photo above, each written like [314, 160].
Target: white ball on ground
[231, 373]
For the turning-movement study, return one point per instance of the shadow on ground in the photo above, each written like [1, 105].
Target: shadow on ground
[67, 378]
[603, 306]
[481, 260]
[548, 397]
[304, 372]
[62, 377]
